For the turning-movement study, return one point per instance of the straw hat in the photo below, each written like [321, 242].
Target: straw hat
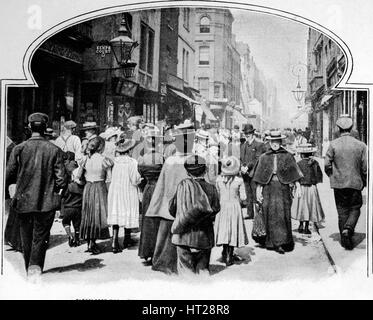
[126, 145]
[306, 148]
[230, 166]
[89, 125]
[186, 125]
[275, 135]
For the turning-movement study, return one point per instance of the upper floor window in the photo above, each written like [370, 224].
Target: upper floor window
[146, 48]
[204, 26]
[186, 12]
[204, 55]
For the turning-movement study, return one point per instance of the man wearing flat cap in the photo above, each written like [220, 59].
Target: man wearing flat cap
[68, 141]
[251, 150]
[36, 167]
[346, 166]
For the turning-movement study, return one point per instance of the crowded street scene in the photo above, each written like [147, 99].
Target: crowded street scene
[168, 143]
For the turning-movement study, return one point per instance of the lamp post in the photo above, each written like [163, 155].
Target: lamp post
[122, 47]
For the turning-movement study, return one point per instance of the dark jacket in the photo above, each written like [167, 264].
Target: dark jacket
[311, 171]
[250, 154]
[346, 163]
[193, 225]
[73, 196]
[287, 168]
[36, 166]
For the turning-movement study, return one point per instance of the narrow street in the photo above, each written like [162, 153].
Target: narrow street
[309, 259]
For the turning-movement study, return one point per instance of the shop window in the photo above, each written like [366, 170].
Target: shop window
[204, 55]
[146, 48]
[204, 26]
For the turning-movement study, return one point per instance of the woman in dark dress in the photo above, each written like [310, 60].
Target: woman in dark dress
[276, 174]
[150, 166]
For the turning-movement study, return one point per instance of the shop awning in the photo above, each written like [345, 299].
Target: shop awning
[325, 99]
[184, 96]
[202, 108]
[239, 116]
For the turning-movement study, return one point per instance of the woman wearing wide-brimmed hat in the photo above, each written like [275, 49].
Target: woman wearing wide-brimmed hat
[150, 166]
[308, 207]
[123, 196]
[97, 169]
[230, 231]
[276, 173]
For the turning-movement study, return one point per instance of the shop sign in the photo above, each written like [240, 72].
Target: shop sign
[103, 50]
[61, 51]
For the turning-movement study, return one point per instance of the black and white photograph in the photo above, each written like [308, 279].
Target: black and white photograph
[216, 150]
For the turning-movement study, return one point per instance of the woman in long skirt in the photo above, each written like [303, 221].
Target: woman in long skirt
[123, 195]
[94, 210]
[150, 166]
[276, 173]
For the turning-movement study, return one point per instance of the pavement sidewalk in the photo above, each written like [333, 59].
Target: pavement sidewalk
[343, 259]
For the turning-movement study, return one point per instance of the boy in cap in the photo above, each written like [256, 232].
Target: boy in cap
[194, 206]
[36, 167]
[346, 166]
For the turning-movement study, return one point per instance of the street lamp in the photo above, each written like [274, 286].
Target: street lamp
[122, 47]
[299, 94]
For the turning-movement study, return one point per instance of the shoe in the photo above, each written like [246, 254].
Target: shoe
[71, 242]
[307, 231]
[116, 248]
[230, 258]
[300, 229]
[128, 242]
[95, 250]
[346, 240]
[280, 250]
[224, 254]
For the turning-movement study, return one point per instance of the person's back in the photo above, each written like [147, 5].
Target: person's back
[38, 167]
[345, 163]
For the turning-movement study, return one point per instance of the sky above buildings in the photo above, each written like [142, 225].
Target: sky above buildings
[278, 46]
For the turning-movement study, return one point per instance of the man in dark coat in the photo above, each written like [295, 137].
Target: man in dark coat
[346, 166]
[250, 153]
[36, 166]
[194, 206]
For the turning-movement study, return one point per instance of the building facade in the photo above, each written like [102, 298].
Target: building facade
[217, 64]
[326, 65]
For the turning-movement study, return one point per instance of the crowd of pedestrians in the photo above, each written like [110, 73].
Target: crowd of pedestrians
[184, 189]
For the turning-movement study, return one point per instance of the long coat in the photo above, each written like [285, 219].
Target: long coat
[250, 154]
[194, 206]
[346, 163]
[36, 166]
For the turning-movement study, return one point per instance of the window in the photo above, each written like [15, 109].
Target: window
[203, 86]
[204, 55]
[185, 71]
[216, 91]
[186, 18]
[146, 48]
[348, 102]
[204, 26]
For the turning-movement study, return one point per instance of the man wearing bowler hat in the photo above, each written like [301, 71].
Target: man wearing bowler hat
[251, 150]
[346, 166]
[36, 167]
